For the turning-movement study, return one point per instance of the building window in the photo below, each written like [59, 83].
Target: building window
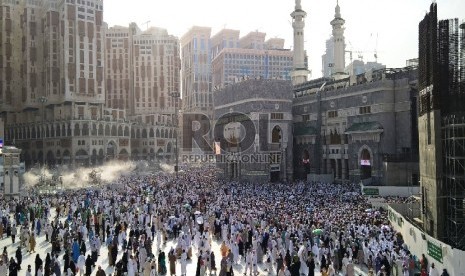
[365, 110]
[306, 117]
[332, 114]
[277, 116]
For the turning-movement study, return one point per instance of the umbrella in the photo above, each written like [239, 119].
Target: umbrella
[199, 220]
[197, 213]
[187, 205]
[317, 231]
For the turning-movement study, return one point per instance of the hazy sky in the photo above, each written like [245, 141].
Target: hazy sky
[394, 22]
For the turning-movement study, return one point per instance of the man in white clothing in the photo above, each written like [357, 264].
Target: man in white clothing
[183, 263]
[433, 271]
[81, 262]
[3, 268]
[248, 263]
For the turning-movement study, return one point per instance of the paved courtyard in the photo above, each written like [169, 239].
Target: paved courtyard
[43, 247]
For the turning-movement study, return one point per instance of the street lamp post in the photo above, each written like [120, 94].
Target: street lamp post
[175, 96]
[43, 100]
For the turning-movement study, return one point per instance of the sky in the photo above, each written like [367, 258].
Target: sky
[389, 27]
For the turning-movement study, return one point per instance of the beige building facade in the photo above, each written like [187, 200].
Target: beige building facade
[196, 70]
[53, 86]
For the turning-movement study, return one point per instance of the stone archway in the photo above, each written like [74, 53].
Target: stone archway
[93, 157]
[160, 154]
[111, 150]
[50, 158]
[276, 135]
[365, 162]
[82, 157]
[66, 157]
[306, 161]
[123, 154]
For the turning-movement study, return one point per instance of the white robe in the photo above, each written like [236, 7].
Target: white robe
[131, 268]
[81, 263]
[183, 263]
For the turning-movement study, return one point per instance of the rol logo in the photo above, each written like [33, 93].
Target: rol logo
[233, 131]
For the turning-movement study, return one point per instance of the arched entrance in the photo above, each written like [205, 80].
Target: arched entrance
[333, 167]
[123, 155]
[169, 151]
[27, 159]
[93, 158]
[144, 154]
[50, 158]
[111, 150]
[152, 154]
[82, 157]
[101, 156]
[40, 158]
[276, 135]
[275, 168]
[365, 164]
[66, 158]
[160, 154]
[306, 162]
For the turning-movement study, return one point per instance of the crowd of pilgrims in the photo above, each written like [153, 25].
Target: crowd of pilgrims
[277, 229]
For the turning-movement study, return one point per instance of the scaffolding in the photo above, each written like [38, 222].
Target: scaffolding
[442, 87]
[450, 80]
[453, 138]
[447, 75]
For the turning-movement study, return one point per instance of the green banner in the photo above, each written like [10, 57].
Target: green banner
[434, 251]
[371, 191]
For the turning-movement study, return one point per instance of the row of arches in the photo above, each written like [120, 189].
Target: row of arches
[158, 133]
[96, 156]
[86, 129]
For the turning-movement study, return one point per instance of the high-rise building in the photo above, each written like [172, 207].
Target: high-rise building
[226, 38]
[157, 71]
[143, 69]
[253, 58]
[119, 63]
[56, 48]
[224, 58]
[327, 59]
[441, 126]
[53, 85]
[358, 67]
[196, 70]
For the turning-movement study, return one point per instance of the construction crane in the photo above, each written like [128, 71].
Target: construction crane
[361, 53]
[147, 23]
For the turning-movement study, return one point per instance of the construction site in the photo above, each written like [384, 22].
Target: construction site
[442, 128]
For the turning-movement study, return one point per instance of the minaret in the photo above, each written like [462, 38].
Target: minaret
[339, 44]
[300, 72]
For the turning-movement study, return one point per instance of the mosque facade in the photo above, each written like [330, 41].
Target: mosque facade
[350, 127]
[356, 127]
